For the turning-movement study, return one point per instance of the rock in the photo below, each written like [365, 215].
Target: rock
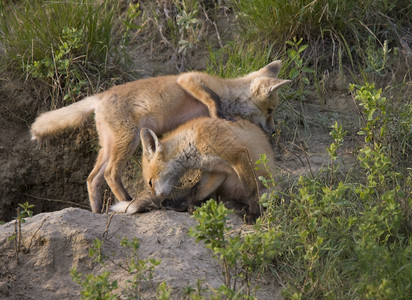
[56, 242]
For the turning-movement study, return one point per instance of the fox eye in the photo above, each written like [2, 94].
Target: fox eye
[150, 182]
[270, 111]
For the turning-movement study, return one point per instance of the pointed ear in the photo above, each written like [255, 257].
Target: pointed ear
[150, 142]
[272, 69]
[265, 86]
[277, 83]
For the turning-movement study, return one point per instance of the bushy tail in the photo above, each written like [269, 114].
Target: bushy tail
[142, 204]
[55, 121]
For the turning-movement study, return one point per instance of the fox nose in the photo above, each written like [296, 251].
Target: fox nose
[268, 129]
[161, 193]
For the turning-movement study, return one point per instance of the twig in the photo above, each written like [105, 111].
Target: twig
[307, 159]
[106, 202]
[296, 154]
[127, 207]
[57, 200]
[27, 296]
[106, 232]
[41, 225]
[15, 242]
[216, 29]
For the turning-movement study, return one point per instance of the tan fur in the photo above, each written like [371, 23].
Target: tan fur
[224, 151]
[161, 104]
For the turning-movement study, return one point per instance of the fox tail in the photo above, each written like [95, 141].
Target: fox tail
[52, 122]
[142, 204]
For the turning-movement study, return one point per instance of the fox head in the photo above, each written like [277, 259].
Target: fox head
[160, 172]
[264, 100]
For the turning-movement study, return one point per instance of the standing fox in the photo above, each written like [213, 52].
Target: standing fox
[224, 151]
[161, 104]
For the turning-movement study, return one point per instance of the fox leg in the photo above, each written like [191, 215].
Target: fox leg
[95, 181]
[96, 177]
[120, 151]
[192, 84]
[208, 184]
[249, 182]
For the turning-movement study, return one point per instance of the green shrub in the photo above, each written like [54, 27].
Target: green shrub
[339, 239]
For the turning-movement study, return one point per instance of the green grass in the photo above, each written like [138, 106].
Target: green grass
[340, 34]
[67, 44]
[238, 59]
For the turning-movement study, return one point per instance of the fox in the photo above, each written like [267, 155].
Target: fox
[224, 152]
[160, 103]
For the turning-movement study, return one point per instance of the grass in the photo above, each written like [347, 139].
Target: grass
[341, 34]
[69, 45]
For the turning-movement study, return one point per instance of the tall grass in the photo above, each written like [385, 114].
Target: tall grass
[81, 35]
[337, 30]
[238, 59]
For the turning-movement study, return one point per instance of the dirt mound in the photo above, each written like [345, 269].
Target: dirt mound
[58, 241]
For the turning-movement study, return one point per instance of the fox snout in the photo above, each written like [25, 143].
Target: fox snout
[162, 190]
[268, 128]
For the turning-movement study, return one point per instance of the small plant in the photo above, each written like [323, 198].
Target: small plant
[338, 135]
[374, 114]
[95, 287]
[23, 211]
[267, 200]
[294, 63]
[100, 286]
[163, 292]
[180, 25]
[61, 71]
[242, 258]
[376, 58]
[142, 270]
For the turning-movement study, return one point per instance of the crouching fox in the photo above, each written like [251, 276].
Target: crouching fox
[161, 104]
[224, 151]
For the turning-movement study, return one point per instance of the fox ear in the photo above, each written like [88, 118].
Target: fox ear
[277, 83]
[150, 142]
[264, 87]
[272, 69]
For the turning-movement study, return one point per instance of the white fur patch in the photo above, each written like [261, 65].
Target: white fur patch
[124, 207]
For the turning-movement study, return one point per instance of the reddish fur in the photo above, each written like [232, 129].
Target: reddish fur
[159, 103]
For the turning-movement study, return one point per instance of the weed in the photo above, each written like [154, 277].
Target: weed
[242, 258]
[23, 211]
[95, 287]
[338, 134]
[142, 270]
[296, 68]
[180, 25]
[100, 286]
